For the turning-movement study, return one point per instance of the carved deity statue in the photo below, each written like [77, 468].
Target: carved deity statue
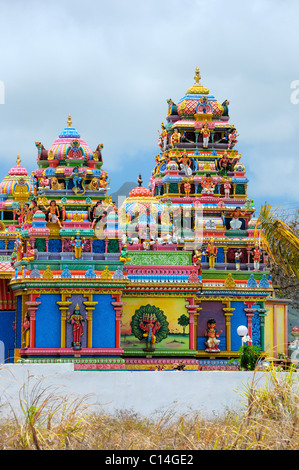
[77, 321]
[212, 334]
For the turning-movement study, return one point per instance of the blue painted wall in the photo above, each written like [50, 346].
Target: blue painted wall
[7, 334]
[103, 325]
[19, 322]
[48, 317]
[238, 318]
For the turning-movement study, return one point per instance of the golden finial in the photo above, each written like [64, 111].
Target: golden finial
[18, 160]
[197, 76]
[197, 88]
[69, 121]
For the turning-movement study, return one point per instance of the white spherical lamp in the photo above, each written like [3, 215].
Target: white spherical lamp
[242, 330]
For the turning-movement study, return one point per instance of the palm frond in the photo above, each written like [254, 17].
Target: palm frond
[280, 241]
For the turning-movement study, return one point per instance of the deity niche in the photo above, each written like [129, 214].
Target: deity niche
[77, 321]
[78, 180]
[149, 324]
[78, 244]
[212, 343]
[75, 151]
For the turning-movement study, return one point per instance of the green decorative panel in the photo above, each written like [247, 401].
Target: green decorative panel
[173, 188]
[236, 233]
[240, 189]
[113, 246]
[165, 258]
[71, 232]
[40, 245]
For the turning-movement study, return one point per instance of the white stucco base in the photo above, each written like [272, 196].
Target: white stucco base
[147, 393]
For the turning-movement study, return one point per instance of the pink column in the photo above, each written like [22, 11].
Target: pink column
[248, 256]
[275, 330]
[191, 308]
[118, 307]
[32, 308]
[249, 314]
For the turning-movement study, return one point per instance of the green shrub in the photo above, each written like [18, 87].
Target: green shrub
[249, 356]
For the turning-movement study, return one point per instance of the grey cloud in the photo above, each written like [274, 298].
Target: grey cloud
[112, 65]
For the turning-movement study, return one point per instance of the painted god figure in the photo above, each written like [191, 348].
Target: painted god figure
[124, 255]
[78, 180]
[238, 255]
[175, 138]
[197, 258]
[53, 213]
[227, 187]
[75, 151]
[187, 188]
[30, 253]
[232, 139]
[256, 257]
[19, 248]
[212, 334]
[224, 164]
[208, 185]
[77, 321]
[206, 135]
[211, 252]
[26, 331]
[44, 182]
[235, 223]
[78, 245]
[163, 137]
[185, 164]
[150, 326]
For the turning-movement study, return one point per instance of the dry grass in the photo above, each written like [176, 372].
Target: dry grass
[52, 422]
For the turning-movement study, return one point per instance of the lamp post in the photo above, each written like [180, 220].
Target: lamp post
[242, 332]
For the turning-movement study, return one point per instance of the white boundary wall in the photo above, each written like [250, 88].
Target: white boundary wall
[148, 393]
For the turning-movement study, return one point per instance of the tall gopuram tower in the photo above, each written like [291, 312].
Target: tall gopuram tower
[61, 247]
[195, 254]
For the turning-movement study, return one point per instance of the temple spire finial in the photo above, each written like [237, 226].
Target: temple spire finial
[197, 76]
[18, 160]
[69, 121]
[197, 88]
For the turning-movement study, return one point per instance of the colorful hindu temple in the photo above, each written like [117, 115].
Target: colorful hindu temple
[166, 278]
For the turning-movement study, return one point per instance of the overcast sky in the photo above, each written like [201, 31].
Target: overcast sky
[113, 65]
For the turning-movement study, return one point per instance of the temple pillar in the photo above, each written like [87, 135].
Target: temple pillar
[228, 311]
[249, 314]
[192, 309]
[32, 304]
[63, 305]
[118, 307]
[225, 249]
[248, 258]
[196, 315]
[262, 314]
[89, 306]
